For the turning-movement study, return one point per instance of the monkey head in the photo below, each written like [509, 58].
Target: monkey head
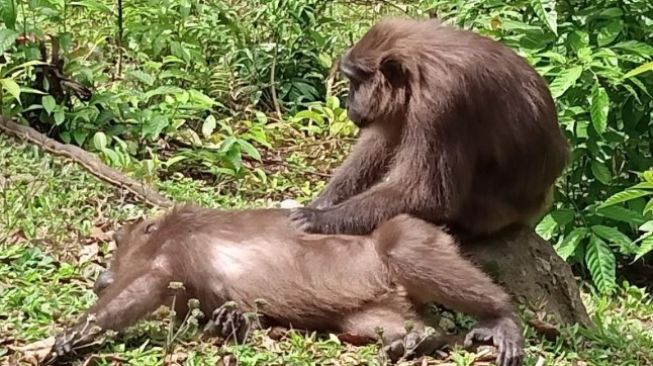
[128, 238]
[379, 68]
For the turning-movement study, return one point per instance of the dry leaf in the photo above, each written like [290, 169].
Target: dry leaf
[88, 253]
[37, 352]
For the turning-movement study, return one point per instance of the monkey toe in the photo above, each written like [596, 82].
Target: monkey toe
[227, 322]
[414, 344]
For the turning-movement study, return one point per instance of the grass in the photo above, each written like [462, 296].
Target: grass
[55, 225]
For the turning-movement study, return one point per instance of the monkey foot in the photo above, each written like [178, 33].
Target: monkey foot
[228, 323]
[414, 344]
[505, 335]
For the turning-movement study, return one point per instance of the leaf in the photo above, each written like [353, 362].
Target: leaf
[639, 48]
[249, 149]
[208, 126]
[599, 107]
[639, 70]
[578, 40]
[623, 196]
[570, 243]
[601, 263]
[80, 136]
[546, 227]
[565, 80]
[143, 77]
[648, 208]
[647, 226]
[615, 236]
[621, 214]
[646, 247]
[100, 141]
[546, 11]
[563, 216]
[49, 104]
[93, 5]
[609, 32]
[7, 39]
[12, 87]
[9, 15]
[59, 116]
[601, 172]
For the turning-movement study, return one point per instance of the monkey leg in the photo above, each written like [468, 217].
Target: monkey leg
[123, 303]
[393, 319]
[426, 261]
[229, 323]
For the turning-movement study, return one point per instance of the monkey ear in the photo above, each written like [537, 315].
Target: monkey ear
[393, 70]
[151, 227]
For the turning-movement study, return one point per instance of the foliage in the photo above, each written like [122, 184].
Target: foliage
[595, 56]
[210, 90]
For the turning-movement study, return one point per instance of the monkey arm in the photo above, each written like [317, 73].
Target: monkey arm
[420, 183]
[365, 166]
[119, 306]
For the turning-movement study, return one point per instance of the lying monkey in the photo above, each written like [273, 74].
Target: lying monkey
[351, 285]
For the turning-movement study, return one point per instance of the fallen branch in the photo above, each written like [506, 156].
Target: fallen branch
[89, 161]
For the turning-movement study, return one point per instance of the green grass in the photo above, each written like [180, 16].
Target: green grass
[55, 223]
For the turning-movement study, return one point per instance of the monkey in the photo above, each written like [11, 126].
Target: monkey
[455, 128]
[242, 256]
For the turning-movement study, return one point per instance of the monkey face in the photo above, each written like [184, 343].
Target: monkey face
[378, 85]
[128, 238]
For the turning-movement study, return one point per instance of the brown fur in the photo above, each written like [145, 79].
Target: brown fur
[456, 129]
[338, 283]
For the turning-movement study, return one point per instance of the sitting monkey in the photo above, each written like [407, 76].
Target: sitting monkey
[351, 285]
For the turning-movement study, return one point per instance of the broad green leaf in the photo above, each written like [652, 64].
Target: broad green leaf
[208, 126]
[249, 149]
[114, 158]
[7, 39]
[624, 196]
[547, 227]
[309, 114]
[639, 70]
[600, 104]
[546, 11]
[8, 11]
[612, 235]
[59, 116]
[610, 13]
[325, 60]
[647, 226]
[649, 207]
[639, 48]
[175, 159]
[569, 244]
[11, 87]
[578, 40]
[563, 216]
[601, 172]
[143, 77]
[565, 80]
[80, 136]
[621, 214]
[645, 247]
[648, 176]
[609, 32]
[49, 104]
[100, 141]
[643, 185]
[602, 264]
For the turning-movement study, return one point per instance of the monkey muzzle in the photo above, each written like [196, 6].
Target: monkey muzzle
[103, 281]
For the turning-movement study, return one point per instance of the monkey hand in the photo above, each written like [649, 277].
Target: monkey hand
[504, 334]
[79, 336]
[228, 323]
[414, 344]
[310, 220]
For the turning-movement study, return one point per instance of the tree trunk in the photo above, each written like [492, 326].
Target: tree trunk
[531, 271]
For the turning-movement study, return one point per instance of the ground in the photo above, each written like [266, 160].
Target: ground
[55, 226]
